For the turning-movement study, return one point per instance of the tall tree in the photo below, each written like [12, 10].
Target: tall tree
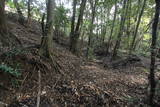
[29, 11]
[46, 48]
[112, 29]
[3, 26]
[73, 22]
[137, 26]
[93, 4]
[120, 33]
[74, 38]
[153, 52]
[6, 37]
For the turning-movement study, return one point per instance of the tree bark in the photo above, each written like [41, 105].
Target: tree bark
[7, 39]
[137, 26]
[47, 39]
[123, 16]
[75, 37]
[90, 41]
[153, 52]
[29, 12]
[73, 23]
[112, 29]
[3, 26]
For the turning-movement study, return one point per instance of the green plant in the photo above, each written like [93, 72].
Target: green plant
[15, 83]
[9, 70]
[130, 99]
[14, 52]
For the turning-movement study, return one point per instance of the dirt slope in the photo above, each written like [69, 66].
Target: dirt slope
[81, 83]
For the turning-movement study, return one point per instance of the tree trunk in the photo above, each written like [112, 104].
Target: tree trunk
[90, 42]
[129, 25]
[123, 16]
[3, 26]
[75, 36]
[73, 23]
[112, 29]
[137, 26]
[43, 24]
[6, 38]
[47, 39]
[153, 52]
[21, 18]
[29, 12]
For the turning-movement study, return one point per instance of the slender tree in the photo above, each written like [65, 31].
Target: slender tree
[29, 12]
[46, 48]
[3, 26]
[123, 16]
[137, 26]
[128, 32]
[76, 34]
[153, 52]
[112, 29]
[93, 4]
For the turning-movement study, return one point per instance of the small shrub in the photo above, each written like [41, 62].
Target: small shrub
[9, 70]
[14, 52]
[15, 83]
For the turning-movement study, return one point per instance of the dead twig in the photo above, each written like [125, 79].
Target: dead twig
[39, 89]
[57, 82]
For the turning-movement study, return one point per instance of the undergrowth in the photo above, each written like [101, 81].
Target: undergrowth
[7, 69]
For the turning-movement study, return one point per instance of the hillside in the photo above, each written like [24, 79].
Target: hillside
[70, 81]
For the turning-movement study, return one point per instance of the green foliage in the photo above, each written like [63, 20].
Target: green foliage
[10, 70]
[130, 99]
[145, 70]
[61, 19]
[15, 83]
[10, 3]
[14, 52]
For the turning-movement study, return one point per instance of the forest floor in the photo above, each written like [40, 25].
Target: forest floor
[72, 81]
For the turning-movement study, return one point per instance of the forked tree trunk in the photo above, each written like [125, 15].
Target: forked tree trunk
[46, 48]
[153, 53]
[75, 35]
